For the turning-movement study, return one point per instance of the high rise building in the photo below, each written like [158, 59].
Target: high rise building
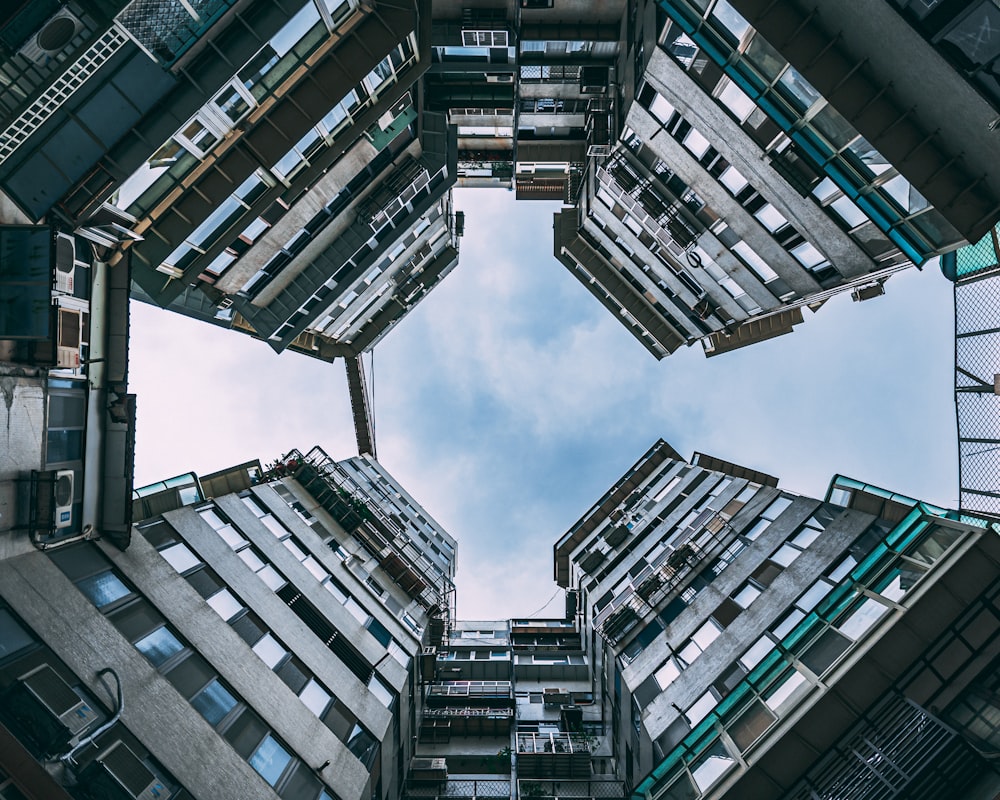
[758, 643]
[284, 170]
[288, 631]
[260, 637]
[263, 166]
[764, 156]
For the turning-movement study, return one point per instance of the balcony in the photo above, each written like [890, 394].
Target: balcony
[369, 524]
[583, 790]
[464, 789]
[496, 694]
[704, 539]
[554, 755]
[440, 724]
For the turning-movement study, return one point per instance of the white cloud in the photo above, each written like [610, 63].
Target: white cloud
[510, 399]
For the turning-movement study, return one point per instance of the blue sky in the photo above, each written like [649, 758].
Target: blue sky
[509, 400]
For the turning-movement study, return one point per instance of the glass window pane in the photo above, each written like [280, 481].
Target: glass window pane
[103, 589]
[274, 526]
[271, 577]
[666, 674]
[773, 510]
[315, 697]
[13, 637]
[270, 760]
[158, 646]
[225, 605]
[810, 599]
[787, 622]
[746, 595]
[848, 212]
[314, 567]
[214, 702]
[734, 181]
[861, 617]
[751, 724]
[231, 536]
[707, 770]
[730, 19]
[180, 557]
[798, 89]
[758, 650]
[785, 555]
[759, 527]
[699, 710]
[706, 634]
[808, 255]
[779, 696]
[696, 143]
[805, 537]
[269, 651]
[294, 549]
[251, 559]
[737, 101]
[771, 218]
[63, 445]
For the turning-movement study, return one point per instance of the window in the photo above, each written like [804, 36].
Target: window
[13, 637]
[159, 646]
[103, 589]
[270, 760]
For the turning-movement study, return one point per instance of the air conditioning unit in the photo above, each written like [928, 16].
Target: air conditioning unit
[428, 770]
[63, 493]
[868, 292]
[69, 338]
[594, 80]
[65, 263]
[119, 773]
[52, 38]
[556, 697]
[500, 77]
[45, 685]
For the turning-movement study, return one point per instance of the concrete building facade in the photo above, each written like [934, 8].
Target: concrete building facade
[260, 637]
[764, 644]
[284, 169]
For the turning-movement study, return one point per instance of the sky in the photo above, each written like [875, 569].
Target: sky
[509, 400]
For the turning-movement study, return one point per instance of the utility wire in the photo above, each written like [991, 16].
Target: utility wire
[546, 603]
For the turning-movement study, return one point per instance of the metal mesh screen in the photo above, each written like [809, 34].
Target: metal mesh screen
[977, 364]
[165, 28]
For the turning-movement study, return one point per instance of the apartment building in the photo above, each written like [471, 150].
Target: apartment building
[759, 643]
[260, 637]
[767, 156]
[265, 166]
[516, 80]
[511, 710]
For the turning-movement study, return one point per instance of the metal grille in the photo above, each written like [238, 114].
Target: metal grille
[60, 91]
[549, 790]
[461, 789]
[167, 28]
[898, 748]
[977, 365]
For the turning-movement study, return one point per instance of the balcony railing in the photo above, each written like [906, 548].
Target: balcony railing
[584, 790]
[465, 789]
[370, 526]
[704, 540]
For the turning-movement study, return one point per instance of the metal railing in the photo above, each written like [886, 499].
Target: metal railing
[584, 790]
[465, 789]
[660, 579]
[975, 271]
